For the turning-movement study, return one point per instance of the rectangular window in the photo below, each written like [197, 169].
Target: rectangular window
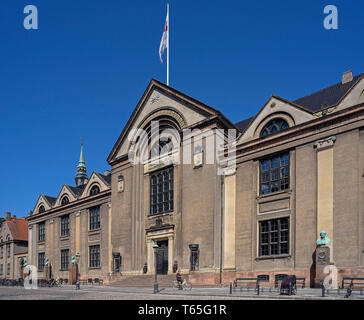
[41, 257]
[41, 231]
[274, 174]
[65, 223]
[194, 257]
[8, 250]
[95, 218]
[161, 191]
[2, 252]
[95, 256]
[64, 259]
[1, 269]
[274, 237]
[8, 269]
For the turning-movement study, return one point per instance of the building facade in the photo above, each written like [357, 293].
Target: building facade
[77, 221]
[13, 246]
[298, 169]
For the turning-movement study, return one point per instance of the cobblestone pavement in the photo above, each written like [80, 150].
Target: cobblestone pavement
[110, 293]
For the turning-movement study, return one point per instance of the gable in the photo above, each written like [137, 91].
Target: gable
[275, 107]
[158, 100]
[354, 96]
[65, 191]
[45, 201]
[95, 179]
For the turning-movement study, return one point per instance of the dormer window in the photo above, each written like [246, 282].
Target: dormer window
[65, 201]
[94, 190]
[274, 126]
[41, 209]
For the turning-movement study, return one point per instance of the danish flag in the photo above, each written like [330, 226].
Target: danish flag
[164, 42]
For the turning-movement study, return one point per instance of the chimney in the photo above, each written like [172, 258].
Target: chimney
[347, 77]
[7, 216]
[107, 173]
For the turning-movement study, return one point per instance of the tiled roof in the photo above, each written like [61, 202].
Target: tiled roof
[242, 125]
[51, 200]
[315, 101]
[18, 229]
[107, 178]
[329, 96]
[77, 190]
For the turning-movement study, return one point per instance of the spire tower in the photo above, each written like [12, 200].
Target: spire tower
[81, 177]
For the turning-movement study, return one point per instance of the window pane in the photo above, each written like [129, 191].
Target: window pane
[274, 174]
[161, 191]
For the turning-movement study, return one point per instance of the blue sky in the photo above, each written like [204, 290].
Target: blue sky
[83, 71]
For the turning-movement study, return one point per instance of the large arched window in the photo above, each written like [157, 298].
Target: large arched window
[65, 201]
[161, 147]
[274, 126]
[94, 190]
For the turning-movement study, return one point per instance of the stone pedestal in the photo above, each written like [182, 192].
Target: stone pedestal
[322, 260]
[73, 274]
[47, 272]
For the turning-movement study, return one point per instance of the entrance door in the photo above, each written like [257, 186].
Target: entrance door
[162, 257]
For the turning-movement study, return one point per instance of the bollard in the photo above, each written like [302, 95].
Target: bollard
[323, 290]
[258, 289]
[231, 288]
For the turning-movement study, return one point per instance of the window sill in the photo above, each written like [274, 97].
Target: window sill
[167, 213]
[64, 237]
[94, 231]
[94, 268]
[282, 256]
[41, 242]
[278, 194]
[63, 270]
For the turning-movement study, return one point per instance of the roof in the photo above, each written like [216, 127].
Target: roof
[77, 190]
[330, 96]
[18, 228]
[242, 125]
[51, 200]
[107, 178]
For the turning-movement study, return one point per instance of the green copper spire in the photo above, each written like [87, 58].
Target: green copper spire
[81, 177]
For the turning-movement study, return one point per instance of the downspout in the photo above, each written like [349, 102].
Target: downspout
[221, 224]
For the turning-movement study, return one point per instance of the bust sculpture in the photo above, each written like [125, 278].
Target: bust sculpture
[46, 262]
[25, 263]
[73, 260]
[323, 241]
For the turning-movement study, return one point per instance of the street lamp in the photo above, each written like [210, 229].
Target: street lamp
[155, 247]
[77, 271]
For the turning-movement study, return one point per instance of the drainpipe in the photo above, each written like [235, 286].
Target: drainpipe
[221, 224]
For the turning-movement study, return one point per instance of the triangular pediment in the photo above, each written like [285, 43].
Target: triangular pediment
[95, 180]
[160, 99]
[65, 191]
[275, 107]
[43, 201]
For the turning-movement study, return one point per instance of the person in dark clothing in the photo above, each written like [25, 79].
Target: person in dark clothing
[179, 279]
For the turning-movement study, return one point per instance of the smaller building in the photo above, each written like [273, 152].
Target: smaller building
[13, 246]
[75, 223]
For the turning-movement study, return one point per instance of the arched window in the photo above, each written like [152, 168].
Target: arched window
[41, 209]
[274, 126]
[65, 201]
[161, 147]
[94, 190]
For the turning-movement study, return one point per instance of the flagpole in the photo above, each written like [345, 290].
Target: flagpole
[168, 44]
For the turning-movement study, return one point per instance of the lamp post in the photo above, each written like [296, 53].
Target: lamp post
[77, 271]
[155, 247]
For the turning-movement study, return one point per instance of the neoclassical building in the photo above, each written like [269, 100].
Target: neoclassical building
[76, 221]
[298, 169]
